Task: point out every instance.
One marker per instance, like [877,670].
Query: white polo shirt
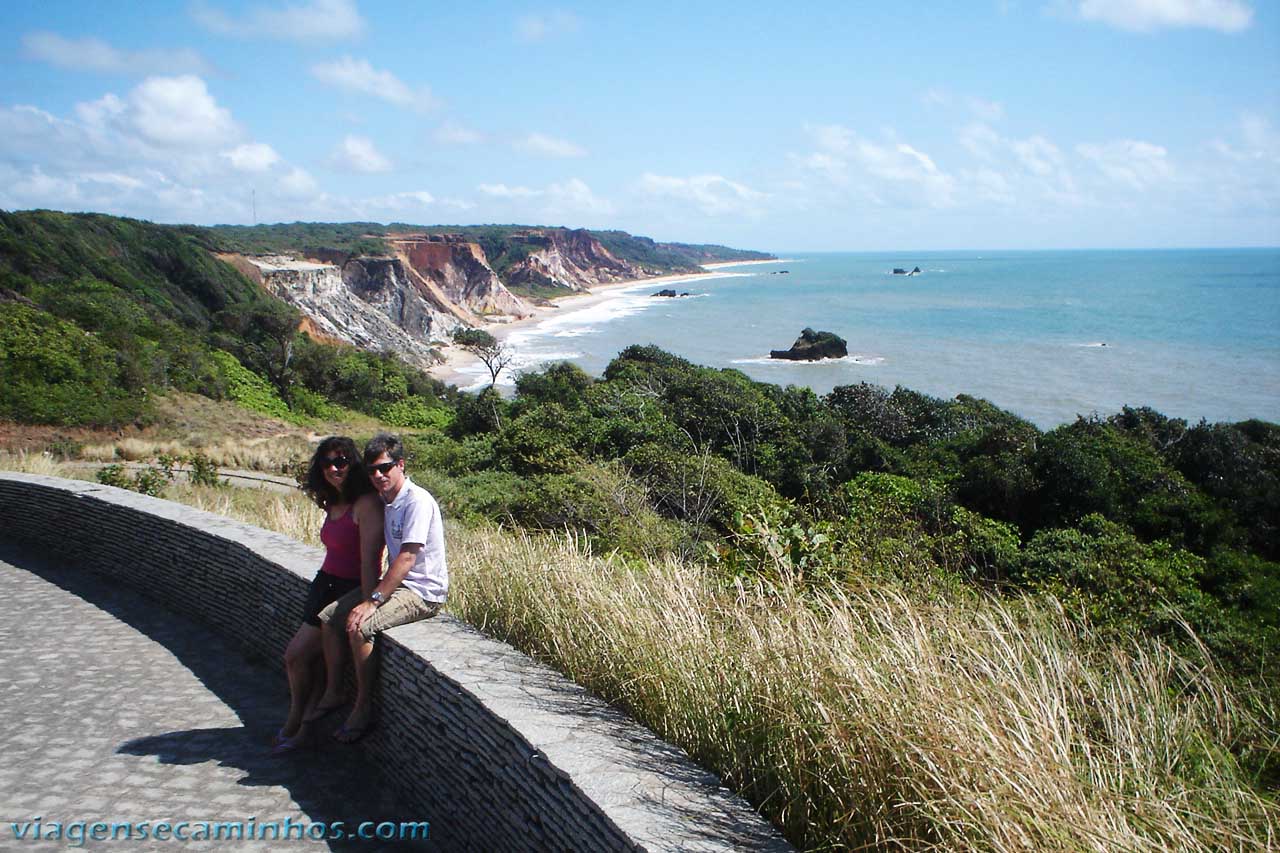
[414,517]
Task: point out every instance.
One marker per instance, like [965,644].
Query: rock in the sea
[813,346]
[669,293]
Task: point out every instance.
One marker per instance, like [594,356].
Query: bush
[472,498]
[249,389]
[540,441]
[53,372]
[701,489]
[415,413]
[603,502]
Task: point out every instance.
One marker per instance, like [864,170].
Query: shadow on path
[335,783]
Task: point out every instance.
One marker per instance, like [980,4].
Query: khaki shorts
[401,607]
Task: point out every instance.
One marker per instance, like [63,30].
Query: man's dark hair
[383,443]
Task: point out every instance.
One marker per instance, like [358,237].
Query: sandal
[351,734]
[303,741]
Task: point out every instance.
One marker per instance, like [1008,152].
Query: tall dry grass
[862,718]
[865,717]
[273,455]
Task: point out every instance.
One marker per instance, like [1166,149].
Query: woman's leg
[300,658]
[334,643]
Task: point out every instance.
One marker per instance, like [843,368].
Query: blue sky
[809,126]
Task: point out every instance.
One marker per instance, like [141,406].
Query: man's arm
[400,567]
[368,512]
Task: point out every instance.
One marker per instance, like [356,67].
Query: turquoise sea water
[1192,333]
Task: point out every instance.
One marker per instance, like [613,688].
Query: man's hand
[358,614]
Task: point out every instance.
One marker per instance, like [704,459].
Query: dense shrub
[55,373]
[604,502]
[248,388]
[701,489]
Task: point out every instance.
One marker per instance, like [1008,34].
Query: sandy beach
[459,365]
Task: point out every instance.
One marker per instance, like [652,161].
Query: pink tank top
[341,538]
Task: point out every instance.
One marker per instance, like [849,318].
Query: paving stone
[171,710]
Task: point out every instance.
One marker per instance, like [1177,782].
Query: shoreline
[451,370]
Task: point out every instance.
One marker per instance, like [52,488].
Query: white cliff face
[367,303]
[570,259]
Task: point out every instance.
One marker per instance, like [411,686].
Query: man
[413,588]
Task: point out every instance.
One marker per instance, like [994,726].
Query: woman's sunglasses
[338,462]
[383,468]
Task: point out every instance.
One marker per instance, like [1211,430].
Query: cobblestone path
[113,709]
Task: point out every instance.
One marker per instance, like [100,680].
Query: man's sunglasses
[382,468]
[338,462]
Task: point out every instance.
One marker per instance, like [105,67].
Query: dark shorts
[325,589]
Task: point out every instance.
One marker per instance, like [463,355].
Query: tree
[484,346]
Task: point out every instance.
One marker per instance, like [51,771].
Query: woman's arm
[368,514]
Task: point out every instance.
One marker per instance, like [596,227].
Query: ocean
[1047,335]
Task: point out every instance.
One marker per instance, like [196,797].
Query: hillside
[99,311]
[871,572]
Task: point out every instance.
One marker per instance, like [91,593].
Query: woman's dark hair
[356,484]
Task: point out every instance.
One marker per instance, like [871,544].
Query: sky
[816,126]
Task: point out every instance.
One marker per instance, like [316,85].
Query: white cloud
[570,198]
[451,133]
[306,21]
[1259,142]
[252,157]
[1038,155]
[180,111]
[547,146]
[359,154]
[164,151]
[714,195]
[981,108]
[888,173]
[357,75]
[298,183]
[93,54]
[504,191]
[1134,164]
[575,197]
[531,28]
[399,202]
[1228,16]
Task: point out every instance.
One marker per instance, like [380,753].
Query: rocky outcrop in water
[814,346]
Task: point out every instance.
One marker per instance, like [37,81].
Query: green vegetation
[99,314]
[503,245]
[355,238]
[1106,517]
[887,618]
[865,713]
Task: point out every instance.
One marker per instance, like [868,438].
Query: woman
[353,541]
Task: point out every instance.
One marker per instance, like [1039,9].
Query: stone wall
[496,751]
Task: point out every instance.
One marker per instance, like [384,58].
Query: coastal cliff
[428,287]
[456,271]
[369,303]
[573,260]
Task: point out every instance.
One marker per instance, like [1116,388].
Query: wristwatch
[376,598]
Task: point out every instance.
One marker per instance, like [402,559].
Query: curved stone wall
[495,750]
